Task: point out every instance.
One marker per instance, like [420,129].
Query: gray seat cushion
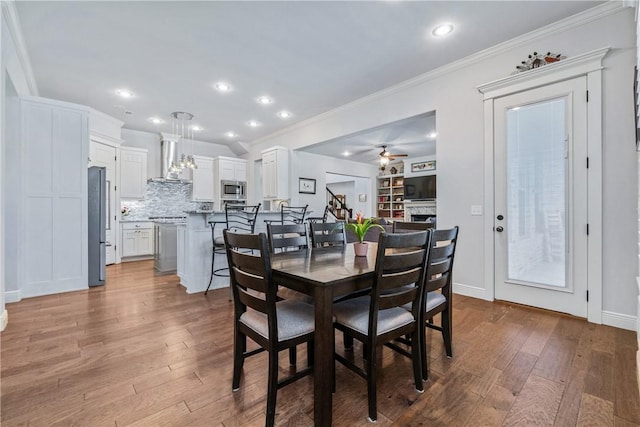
[434,299]
[218,241]
[295,318]
[354,313]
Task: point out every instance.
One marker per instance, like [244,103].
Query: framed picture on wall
[423,166]
[306,186]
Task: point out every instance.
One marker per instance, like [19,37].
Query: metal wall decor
[536,60]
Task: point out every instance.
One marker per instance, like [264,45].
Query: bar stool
[239,219]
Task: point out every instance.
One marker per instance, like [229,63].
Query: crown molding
[579,19]
[15,29]
[571,67]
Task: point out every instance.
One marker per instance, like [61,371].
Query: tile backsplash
[162,199]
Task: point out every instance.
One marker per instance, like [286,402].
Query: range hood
[168,155]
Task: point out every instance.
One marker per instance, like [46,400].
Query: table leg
[323,365]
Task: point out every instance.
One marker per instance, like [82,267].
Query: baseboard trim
[470,291]
[12,296]
[4,320]
[618,320]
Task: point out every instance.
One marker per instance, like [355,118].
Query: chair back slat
[400,269]
[442,252]
[328,234]
[440,266]
[287,237]
[248,263]
[409,227]
[252,301]
[437,282]
[249,277]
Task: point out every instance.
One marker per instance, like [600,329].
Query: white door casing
[541,197]
[590,65]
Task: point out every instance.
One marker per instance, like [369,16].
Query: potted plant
[360,228]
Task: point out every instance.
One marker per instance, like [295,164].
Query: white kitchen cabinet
[51,176]
[137,239]
[275,173]
[203,179]
[230,169]
[133,173]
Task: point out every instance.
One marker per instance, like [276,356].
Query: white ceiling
[310,56]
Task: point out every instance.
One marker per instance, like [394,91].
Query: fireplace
[423,218]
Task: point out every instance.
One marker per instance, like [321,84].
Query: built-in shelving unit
[390,197]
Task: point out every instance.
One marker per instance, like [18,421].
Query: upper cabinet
[230,169]
[275,173]
[203,179]
[133,173]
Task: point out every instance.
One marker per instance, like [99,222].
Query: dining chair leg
[416,359]
[310,353]
[239,348]
[293,356]
[446,331]
[371,382]
[422,342]
[272,388]
[348,341]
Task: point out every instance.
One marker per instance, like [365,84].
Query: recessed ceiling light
[230,134]
[156,120]
[284,114]
[264,100]
[442,30]
[196,128]
[432,135]
[223,87]
[346,154]
[123,93]
[253,123]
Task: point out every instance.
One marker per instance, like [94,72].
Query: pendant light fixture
[181,126]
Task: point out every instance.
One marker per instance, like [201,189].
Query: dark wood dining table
[324,273]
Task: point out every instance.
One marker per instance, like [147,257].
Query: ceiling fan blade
[393,156]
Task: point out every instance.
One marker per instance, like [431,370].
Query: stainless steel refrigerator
[97,225]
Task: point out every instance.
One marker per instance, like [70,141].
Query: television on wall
[420,188]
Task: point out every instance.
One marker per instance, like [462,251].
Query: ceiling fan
[386,157]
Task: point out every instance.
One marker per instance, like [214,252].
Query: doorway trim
[590,65]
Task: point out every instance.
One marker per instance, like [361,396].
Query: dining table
[324,273]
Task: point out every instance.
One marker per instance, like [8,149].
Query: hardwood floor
[140,351]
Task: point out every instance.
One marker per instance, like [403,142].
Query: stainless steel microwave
[233,189]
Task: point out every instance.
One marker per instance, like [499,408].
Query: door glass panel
[537,175]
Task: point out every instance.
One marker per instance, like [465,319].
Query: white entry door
[541,197]
[105,156]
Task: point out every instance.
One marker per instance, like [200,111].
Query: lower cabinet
[137,239]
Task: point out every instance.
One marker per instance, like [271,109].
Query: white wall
[308,165]
[151,141]
[13,67]
[452,93]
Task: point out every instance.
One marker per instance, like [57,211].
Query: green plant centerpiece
[360,228]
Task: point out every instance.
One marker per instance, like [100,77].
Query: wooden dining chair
[379,317]
[274,325]
[328,234]
[284,237]
[408,227]
[438,290]
[238,218]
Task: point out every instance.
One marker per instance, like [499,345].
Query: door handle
[499,229]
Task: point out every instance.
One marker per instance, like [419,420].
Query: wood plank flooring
[141,352]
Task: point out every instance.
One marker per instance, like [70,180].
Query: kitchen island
[195,247]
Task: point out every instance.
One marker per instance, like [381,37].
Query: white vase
[360,249]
